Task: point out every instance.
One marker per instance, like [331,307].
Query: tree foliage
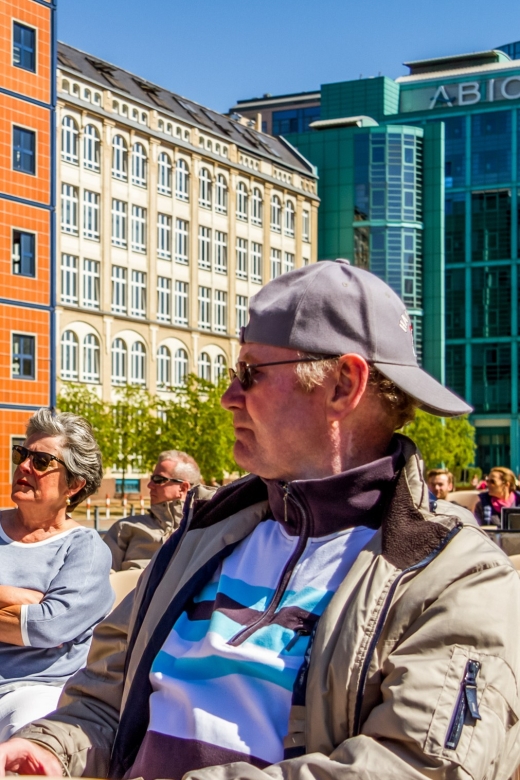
[443,442]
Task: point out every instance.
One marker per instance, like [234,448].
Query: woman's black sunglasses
[245,372]
[40,460]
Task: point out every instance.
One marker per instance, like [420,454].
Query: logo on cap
[404,322]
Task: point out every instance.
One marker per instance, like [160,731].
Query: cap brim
[431,395]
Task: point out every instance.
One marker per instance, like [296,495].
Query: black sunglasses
[40,460]
[158,480]
[245,372]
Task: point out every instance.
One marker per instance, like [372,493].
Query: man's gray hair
[79,450]
[186,467]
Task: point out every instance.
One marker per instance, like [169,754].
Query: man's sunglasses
[245,372]
[40,460]
[158,480]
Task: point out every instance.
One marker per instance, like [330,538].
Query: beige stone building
[172,216]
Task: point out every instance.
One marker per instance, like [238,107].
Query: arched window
[69,140]
[289,219]
[119,158]
[139,162]
[164,367]
[65,85]
[138,364]
[90,359]
[256,207]
[119,362]
[222,195]
[180,367]
[86,94]
[205,188]
[91,148]
[219,368]
[204,366]
[276,213]
[241,201]
[182,180]
[69,356]
[164,179]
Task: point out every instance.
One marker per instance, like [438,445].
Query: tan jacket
[428,593]
[134,540]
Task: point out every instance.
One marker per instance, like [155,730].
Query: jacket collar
[167,513]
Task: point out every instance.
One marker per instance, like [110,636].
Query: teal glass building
[419,181]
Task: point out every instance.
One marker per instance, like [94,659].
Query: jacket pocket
[466,709]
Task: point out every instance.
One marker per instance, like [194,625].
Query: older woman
[54,584]
[501,492]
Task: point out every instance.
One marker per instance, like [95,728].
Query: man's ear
[351,380]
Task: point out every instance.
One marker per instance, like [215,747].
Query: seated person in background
[54,584]
[501,492]
[134,540]
[440,482]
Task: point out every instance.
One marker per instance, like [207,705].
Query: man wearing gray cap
[316,619]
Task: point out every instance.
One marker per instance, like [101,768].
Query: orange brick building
[27,218]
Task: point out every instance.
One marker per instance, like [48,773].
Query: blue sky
[218,51]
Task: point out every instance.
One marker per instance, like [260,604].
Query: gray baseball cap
[334,308]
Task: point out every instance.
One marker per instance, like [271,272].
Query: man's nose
[234,396]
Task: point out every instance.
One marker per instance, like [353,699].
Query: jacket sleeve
[404,734]
[116,545]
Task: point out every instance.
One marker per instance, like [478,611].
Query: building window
[241,313]
[164,361]
[138,364]
[221,195]
[204,366]
[241,201]
[276,263]
[205,188]
[164,179]
[180,367]
[138,294]
[491,152]
[69,356]
[491,378]
[276,213]
[69,209]
[220,264]
[139,162]
[204,248]
[182,180]
[241,258]
[181,303]
[491,301]
[119,362]
[163,299]
[23,253]
[306,225]
[219,368]
[455,230]
[24,150]
[288,262]
[90,371]
[256,207]
[289,219]
[69,140]
[491,225]
[256,262]
[23,362]
[220,312]
[294,120]
[91,215]
[91,148]
[90,284]
[118,289]
[164,236]
[138,229]
[24,47]
[181,241]
[69,280]
[118,223]
[204,308]
[119,158]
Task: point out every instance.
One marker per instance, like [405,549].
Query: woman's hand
[9,596]
[28,758]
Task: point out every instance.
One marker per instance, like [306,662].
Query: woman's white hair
[79,449]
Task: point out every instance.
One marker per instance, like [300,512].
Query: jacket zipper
[467,705]
[281,587]
[381,622]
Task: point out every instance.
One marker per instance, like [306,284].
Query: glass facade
[295,120]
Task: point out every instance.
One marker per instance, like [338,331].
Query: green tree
[443,442]
[83,401]
[134,429]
